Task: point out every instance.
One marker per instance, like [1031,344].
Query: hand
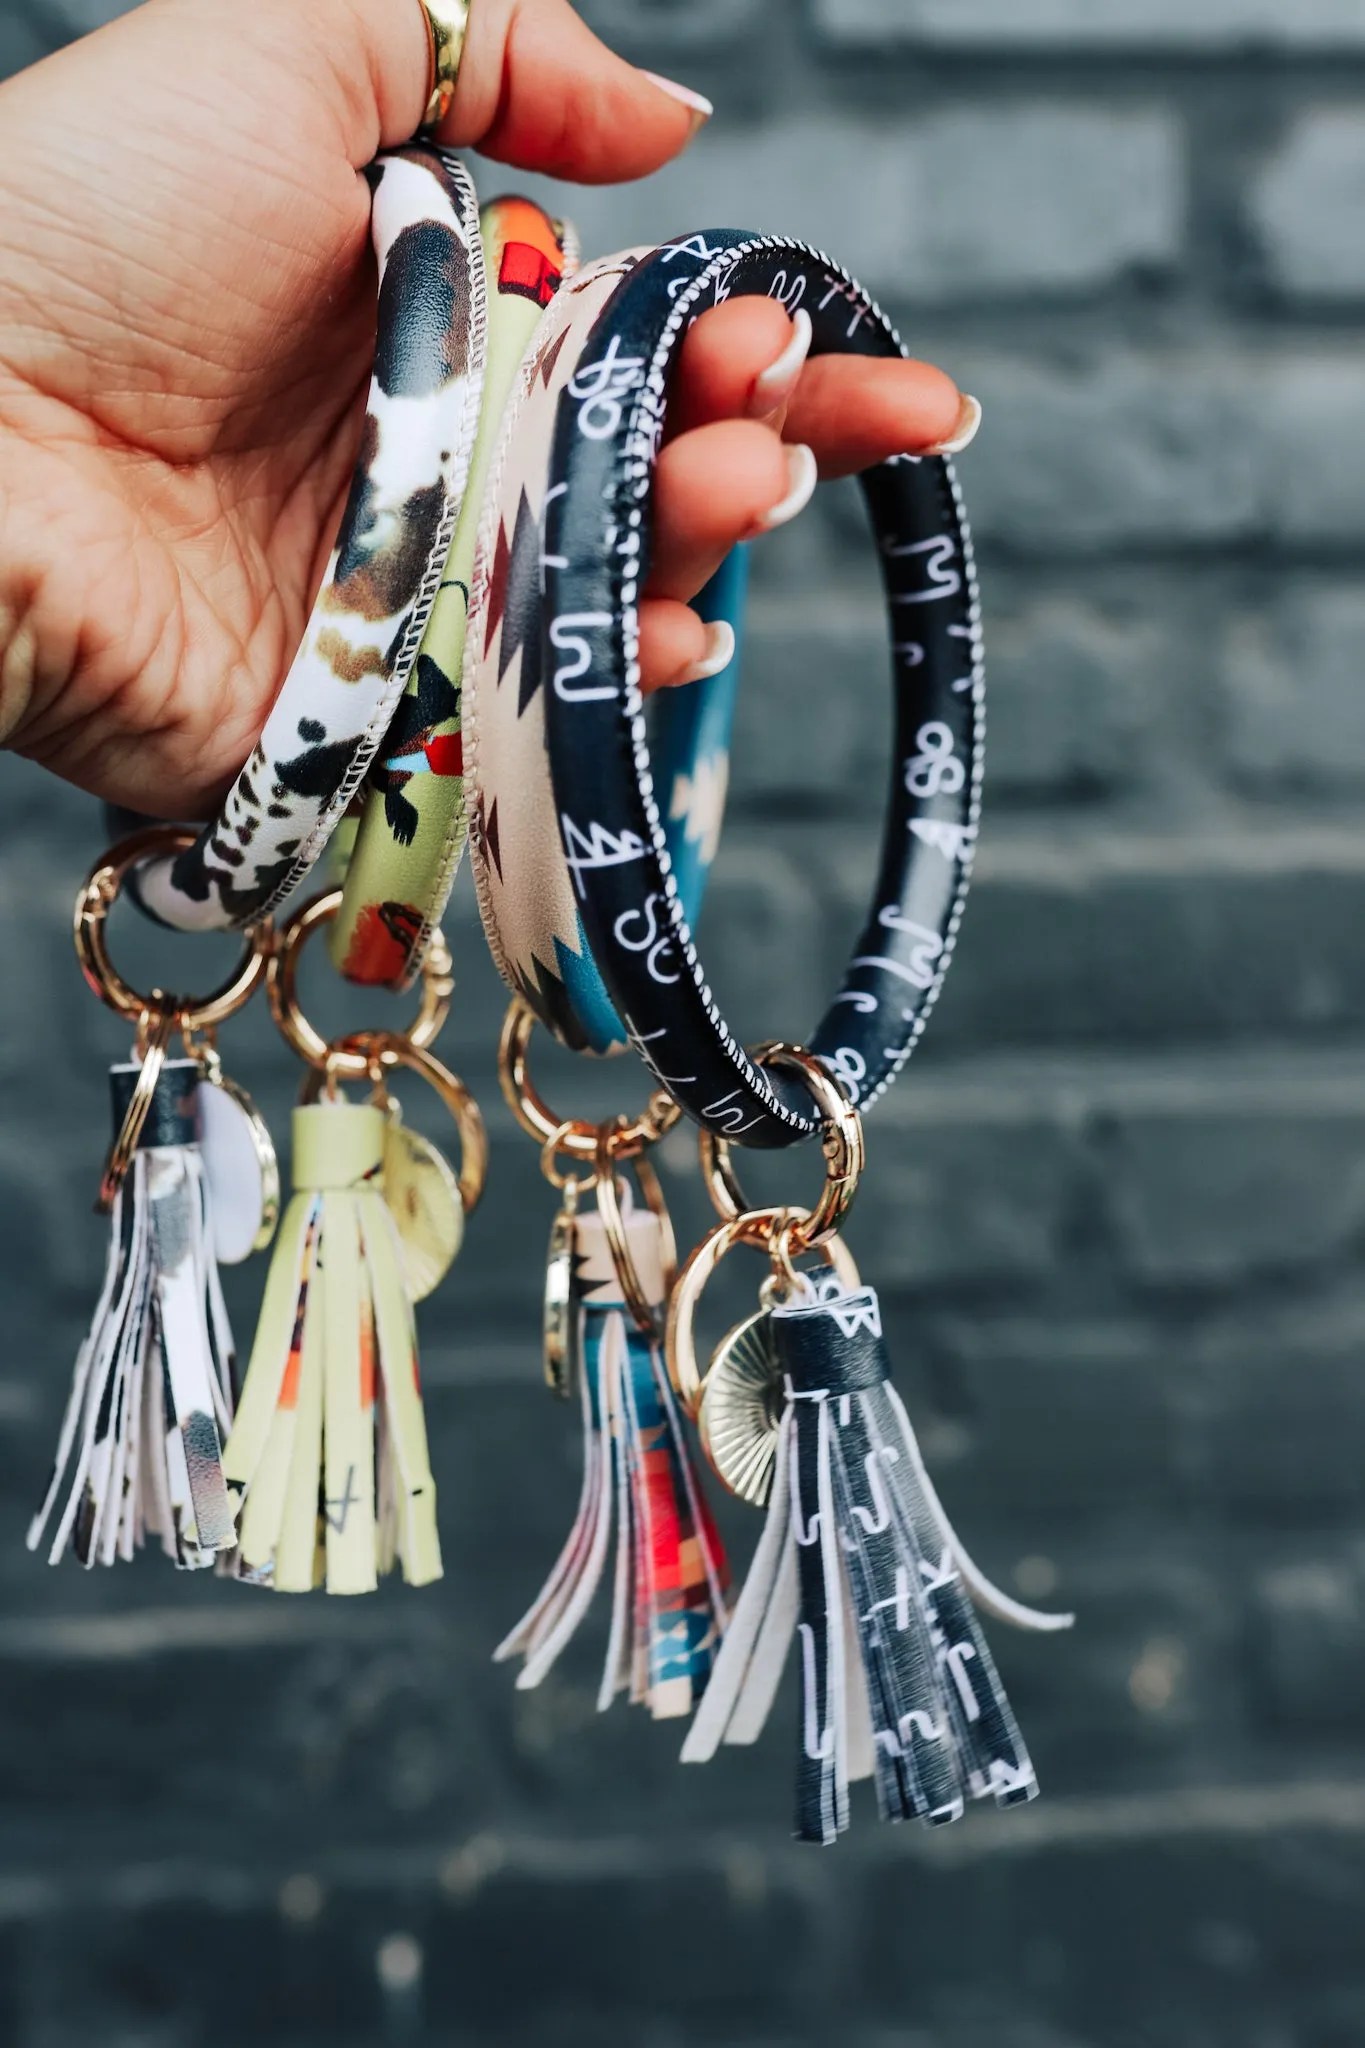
[186,326]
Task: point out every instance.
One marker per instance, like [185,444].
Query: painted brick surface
[915,204]
[1224,27]
[1313,182]
[1116,1207]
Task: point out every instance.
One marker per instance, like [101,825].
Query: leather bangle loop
[447,25]
[525,888]
[366,626]
[606,440]
[412,830]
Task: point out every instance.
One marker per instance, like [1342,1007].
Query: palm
[181,378]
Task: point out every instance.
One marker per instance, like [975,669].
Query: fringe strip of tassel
[151,1396]
[669,1577]
[328,1462]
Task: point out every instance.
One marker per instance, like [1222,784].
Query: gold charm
[423,1197]
[561,1321]
[741,1409]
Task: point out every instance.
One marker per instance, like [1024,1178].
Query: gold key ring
[646,1315]
[570,1185]
[374,1054]
[155,1032]
[100,892]
[572,1135]
[336,1055]
[771,1230]
[842,1144]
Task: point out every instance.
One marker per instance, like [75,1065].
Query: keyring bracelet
[365,629]
[608,432]
[412,829]
[525,886]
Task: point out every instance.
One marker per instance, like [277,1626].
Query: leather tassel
[859,1563]
[151,1397]
[327,1463]
[668,1575]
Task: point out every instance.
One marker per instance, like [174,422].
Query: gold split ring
[375,1054]
[155,1031]
[772,1230]
[646,1314]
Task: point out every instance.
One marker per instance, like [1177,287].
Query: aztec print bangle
[412,830]
[525,889]
[598,507]
[368,622]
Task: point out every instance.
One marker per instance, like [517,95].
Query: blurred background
[1116,1206]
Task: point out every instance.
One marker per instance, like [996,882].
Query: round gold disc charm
[741,1409]
[423,1197]
[560,1326]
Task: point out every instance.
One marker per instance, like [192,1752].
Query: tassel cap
[172,1118]
[337,1144]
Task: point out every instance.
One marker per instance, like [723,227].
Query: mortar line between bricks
[152,1632]
[460,1869]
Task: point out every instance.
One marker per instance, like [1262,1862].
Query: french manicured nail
[696,103]
[803,474]
[774,386]
[720,652]
[964,431]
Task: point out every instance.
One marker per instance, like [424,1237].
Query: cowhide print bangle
[597,537]
[368,622]
[412,831]
[525,889]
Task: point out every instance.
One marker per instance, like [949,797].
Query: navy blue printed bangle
[596,552]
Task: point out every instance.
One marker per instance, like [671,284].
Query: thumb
[538,89]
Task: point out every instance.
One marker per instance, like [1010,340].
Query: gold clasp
[783,1233]
[339,1057]
[97,897]
[842,1144]
[572,1136]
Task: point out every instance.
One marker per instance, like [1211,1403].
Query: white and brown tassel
[140,1451]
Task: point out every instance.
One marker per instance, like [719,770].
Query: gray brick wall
[1117,1206]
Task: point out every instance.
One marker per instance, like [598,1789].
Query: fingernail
[964,431]
[774,386]
[696,103]
[720,652]
[803,474]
